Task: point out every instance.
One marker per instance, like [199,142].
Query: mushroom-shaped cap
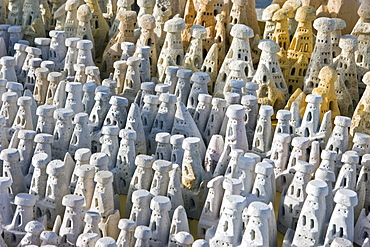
[342,121]
[55,77]
[264,168]
[92,70]
[215,182]
[365,161]
[83,154]
[160,203]
[184,73]
[4,27]
[350,157]
[14,29]
[325,175]
[33,50]
[269,11]
[174,25]
[120,64]
[200,77]
[304,167]
[33,62]
[147,21]
[305,13]
[218,103]
[266,111]
[5,182]
[143,49]
[57,34]
[348,43]
[200,243]
[339,23]
[85,44]
[235,112]
[42,72]
[79,67]
[74,87]
[191,143]
[236,153]
[324,24]
[143,232]
[25,200]
[251,86]
[106,242]
[14,86]
[63,114]
[72,42]
[163,137]
[236,83]
[44,138]
[48,64]
[111,130]
[234,185]
[259,210]
[49,236]
[144,161]
[317,188]
[127,225]
[237,65]
[184,238]
[73,201]
[206,98]
[314,99]
[103,177]
[26,134]
[10,97]
[254,156]
[141,196]
[92,217]
[127,134]
[34,227]
[40,160]
[55,168]
[177,139]
[171,70]
[24,101]
[128,47]
[118,101]
[20,47]
[127,16]
[10,155]
[100,96]
[147,86]
[235,202]
[102,89]
[301,142]
[328,155]
[151,99]
[8,61]
[268,45]
[283,13]
[162,166]
[89,87]
[282,137]
[346,197]
[241,31]
[248,100]
[246,163]
[162,88]
[167,98]
[361,139]
[99,159]
[284,115]
[198,32]
[85,171]
[232,98]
